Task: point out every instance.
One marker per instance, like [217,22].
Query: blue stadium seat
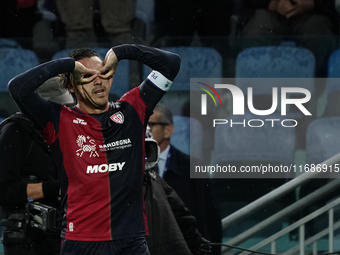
[13,61]
[121,83]
[275,62]
[333,86]
[247,143]
[184,128]
[241,145]
[322,139]
[322,143]
[334,69]
[276,66]
[9,43]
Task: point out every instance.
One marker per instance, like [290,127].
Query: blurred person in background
[172,227]
[201,18]
[17,20]
[27,173]
[310,23]
[117,19]
[198,195]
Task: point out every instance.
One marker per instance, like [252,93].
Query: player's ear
[70,83]
[168,130]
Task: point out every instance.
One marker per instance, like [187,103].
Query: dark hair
[83,53]
[66,79]
[166,114]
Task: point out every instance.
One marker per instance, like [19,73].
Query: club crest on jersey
[118,117]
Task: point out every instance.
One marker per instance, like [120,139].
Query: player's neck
[91,110]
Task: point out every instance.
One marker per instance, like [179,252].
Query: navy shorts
[129,246]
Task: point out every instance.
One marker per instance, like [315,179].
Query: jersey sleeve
[23,89]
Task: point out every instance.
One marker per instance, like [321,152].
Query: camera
[41,216]
[151,150]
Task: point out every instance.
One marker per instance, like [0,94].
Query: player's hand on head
[82,74]
[110,65]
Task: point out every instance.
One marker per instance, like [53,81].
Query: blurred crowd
[47,26]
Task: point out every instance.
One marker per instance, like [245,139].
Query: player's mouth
[99,92]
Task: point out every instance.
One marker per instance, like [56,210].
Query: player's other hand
[110,65]
[83,75]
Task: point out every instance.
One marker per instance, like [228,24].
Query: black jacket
[197,194]
[172,228]
[23,154]
[25,158]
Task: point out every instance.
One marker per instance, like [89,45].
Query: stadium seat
[284,62]
[186,127]
[275,62]
[9,43]
[251,147]
[278,66]
[121,78]
[13,61]
[333,86]
[241,142]
[322,139]
[322,143]
[242,145]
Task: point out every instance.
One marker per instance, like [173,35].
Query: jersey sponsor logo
[118,117]
[119,144]
[86,145]
[79,121]
[103,168]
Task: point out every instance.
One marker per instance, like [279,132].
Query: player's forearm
[165,62]
[22,88]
